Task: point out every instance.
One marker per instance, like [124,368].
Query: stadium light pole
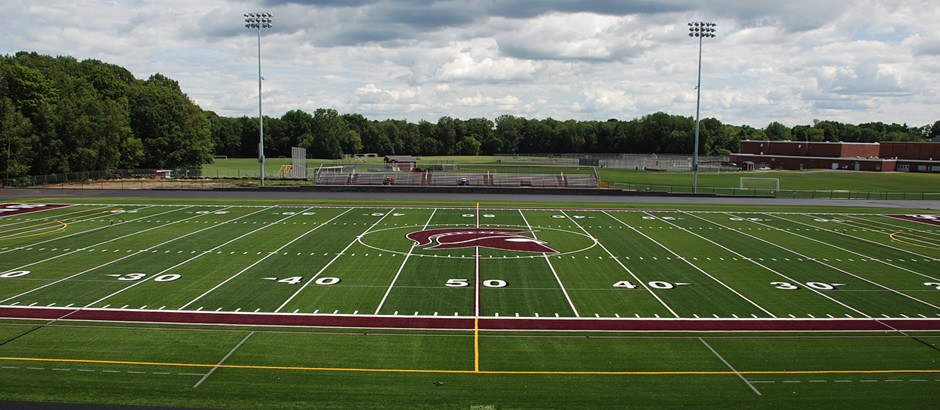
[700,30]
[259,21]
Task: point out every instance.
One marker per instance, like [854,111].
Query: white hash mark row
[56,369]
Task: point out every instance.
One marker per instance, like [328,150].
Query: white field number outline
[130,277]
[813,285]
[655,284]
[296,280]
[14,274]
[462,283]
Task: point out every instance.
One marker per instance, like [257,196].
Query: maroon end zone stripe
[11,209]
[919,218]
[690,325]
[33,313]
[464,323]
[274,319]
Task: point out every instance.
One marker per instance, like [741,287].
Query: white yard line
[625,268]
[857,225]
[276,251]
[476,281]
[699,269]
[552,268]
[767,268]
[740,376]
[47,218]
[80,233]
[110,262]
[214,368]
[816,260]
[335,258]
[894,227]
[876,244]
[198,255]
[402,267]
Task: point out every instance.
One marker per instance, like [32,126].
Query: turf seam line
[744,379]
[224,358]
[38,327]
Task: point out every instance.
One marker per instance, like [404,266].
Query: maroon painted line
[467,323]
[691,325]
[34,313]
[12,209]
[924,219]
[912,324]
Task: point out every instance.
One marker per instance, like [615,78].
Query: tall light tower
[701,30]
[259,21]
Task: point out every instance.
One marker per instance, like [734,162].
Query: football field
[756,302]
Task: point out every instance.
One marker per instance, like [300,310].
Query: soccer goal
[755,183]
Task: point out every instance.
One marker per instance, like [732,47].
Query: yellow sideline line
[476,317]
[491,372]
[476,344]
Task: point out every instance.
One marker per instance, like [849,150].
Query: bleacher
[456,179]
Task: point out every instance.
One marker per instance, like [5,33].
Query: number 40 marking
[655,284]
[295,280]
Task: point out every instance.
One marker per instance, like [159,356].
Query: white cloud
[869,60]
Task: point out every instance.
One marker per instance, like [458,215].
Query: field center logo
[495,238]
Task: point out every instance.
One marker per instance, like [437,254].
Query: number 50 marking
[462,283]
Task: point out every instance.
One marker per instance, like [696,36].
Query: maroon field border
[467,323]
[918,218]
[6,211]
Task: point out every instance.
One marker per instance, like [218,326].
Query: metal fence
[194,179]
[140,179]
[782,193]
[659,162]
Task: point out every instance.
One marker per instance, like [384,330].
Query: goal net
[772,184]
[298,167]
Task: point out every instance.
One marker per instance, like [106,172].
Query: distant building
[400,162]
[854,156]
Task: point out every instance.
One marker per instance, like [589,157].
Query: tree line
[58,114]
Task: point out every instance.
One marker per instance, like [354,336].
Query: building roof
[400,158]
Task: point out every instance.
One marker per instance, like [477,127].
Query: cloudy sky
[788,61]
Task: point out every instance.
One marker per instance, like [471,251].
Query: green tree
[226,135]
[174,131]
[327,134]
[776,131]
[509,132]
[934,130]
[17,141]
[469,146]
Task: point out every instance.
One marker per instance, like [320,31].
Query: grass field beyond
[572,268]
[821,180]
